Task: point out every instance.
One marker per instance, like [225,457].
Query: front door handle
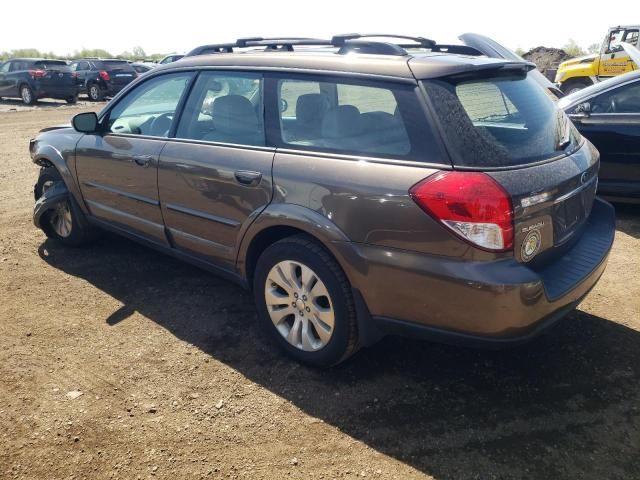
[143,160]
[248,177]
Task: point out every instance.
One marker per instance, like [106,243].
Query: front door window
[149,109]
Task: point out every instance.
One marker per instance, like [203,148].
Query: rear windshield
[109,64]
[52,65]
[500,121]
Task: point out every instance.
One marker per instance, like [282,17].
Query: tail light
[104,75]
[471,204]
[37,73]
[75,74]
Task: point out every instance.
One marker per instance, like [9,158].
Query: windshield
[500,120]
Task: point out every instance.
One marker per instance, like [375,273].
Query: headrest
[234,114]
[341,122]
[311,108]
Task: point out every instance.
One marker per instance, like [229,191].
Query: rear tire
[95,92]
[304,302]
[66,222]
[573,86]
[26,94]
[72,100]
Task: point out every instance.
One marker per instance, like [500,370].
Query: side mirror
[85,122]
[584,108]
[581,112]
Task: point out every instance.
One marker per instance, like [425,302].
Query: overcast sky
[63,26]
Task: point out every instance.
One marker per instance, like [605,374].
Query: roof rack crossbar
[377,48]
[260,41]
[339,40]
[446,48]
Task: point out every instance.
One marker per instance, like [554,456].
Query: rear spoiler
[493,49]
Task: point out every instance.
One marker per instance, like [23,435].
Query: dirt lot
[176,383]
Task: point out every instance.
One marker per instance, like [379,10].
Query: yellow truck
[612,60]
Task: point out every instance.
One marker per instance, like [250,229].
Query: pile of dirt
[547,59]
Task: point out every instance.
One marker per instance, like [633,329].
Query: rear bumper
[496,302]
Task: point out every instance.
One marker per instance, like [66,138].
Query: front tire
[72,100]
[573,86]
[27,96]
[65,222]
[95,92]
[305,303]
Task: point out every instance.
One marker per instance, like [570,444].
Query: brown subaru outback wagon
[358,186]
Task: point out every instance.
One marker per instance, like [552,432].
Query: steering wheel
[613,105]
[161,124]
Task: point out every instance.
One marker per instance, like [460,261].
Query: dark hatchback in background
[100,78]
[608,114]
[358,186]
[33,78]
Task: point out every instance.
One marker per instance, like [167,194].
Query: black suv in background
[100,78]
[34,78]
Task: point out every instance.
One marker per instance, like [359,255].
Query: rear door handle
[143,160]
[248,177]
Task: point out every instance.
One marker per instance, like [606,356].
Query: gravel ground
[119,362]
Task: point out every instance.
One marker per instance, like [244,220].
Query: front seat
[235,121]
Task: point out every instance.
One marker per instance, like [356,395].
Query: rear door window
[344,117]
[225,107]
[505,120]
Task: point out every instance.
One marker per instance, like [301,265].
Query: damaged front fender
[51,197]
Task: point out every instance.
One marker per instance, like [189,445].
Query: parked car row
[33,78]
[416,188]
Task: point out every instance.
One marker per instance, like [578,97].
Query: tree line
[137,53]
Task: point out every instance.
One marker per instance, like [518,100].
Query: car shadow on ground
[564,406]
[628,218]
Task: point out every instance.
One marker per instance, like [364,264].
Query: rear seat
[377,132]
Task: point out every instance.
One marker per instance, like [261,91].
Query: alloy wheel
[61,220]
[299,305]
[26,95]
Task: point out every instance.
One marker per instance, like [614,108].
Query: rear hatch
[54,75]
[501,122]
[119,72]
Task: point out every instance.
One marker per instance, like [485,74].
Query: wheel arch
[47,156]
[279,221]
[24,83]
